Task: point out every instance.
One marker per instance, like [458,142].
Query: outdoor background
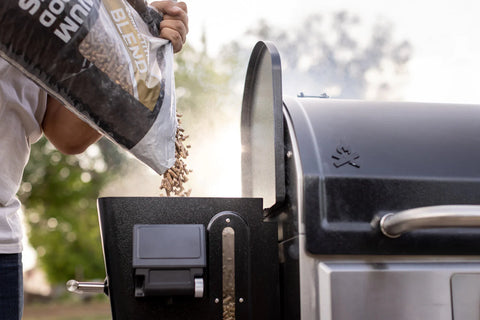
[378,50]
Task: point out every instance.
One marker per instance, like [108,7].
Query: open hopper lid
[263,167]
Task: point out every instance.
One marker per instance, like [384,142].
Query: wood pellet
[108,55]
[228,308]
[176,176]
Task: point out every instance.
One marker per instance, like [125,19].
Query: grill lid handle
[393,225]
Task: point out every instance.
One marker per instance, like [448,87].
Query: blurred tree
[206,96]
[59,194]
[337,53]
[203,82]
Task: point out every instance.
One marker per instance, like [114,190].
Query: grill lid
[362,160]
[263,168]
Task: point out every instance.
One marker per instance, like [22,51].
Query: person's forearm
[65,130]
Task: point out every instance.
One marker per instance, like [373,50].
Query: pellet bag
[102,60]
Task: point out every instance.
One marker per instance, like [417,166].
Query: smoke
[214,157]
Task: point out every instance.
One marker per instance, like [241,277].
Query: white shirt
[22,107]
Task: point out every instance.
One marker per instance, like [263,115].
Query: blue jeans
[11,286]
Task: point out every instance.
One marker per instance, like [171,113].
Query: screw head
[217,300]
[241,300]
[227,220]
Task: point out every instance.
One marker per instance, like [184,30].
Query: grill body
[402,156]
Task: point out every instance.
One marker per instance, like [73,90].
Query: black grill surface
[361,160]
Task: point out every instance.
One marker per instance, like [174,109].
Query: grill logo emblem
[345,156]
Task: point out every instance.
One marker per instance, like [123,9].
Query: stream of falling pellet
[176,176]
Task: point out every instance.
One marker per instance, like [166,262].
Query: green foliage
[203,83]
[59,193]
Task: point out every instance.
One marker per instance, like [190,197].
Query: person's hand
[174,26]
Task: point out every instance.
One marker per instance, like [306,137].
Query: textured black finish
[361,160]
[289,246]
[119,215]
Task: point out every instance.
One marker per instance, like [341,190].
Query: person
[26,111]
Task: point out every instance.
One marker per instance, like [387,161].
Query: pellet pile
[228,308]
[228,278]
[176,176]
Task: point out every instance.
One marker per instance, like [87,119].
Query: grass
[77,310]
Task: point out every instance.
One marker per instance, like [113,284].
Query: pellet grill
[350,210]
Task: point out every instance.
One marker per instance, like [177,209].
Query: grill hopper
[328,172]
[256,263]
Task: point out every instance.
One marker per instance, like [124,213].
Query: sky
[445,66]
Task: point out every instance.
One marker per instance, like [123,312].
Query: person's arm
[174,26]
[65,130]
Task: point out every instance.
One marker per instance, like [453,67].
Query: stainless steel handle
[199,288]
[393,225]
[86,287]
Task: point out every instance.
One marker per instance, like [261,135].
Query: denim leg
[11,286]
